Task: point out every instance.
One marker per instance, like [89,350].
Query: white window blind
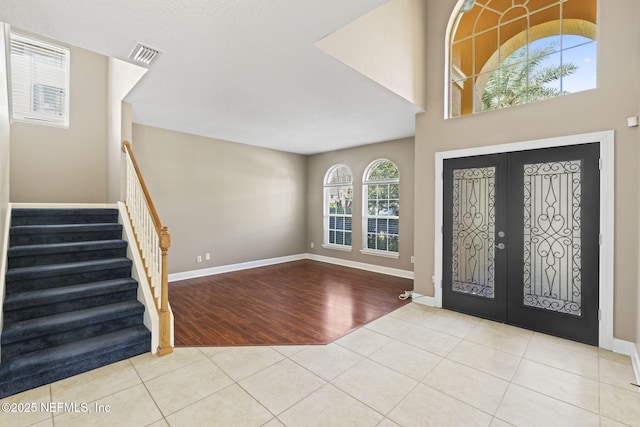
[39,81]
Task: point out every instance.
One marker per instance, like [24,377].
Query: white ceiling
[238,70]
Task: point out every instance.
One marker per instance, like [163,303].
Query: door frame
[606,277]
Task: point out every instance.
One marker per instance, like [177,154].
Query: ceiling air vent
[144,55]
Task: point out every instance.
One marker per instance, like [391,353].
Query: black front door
[521,239]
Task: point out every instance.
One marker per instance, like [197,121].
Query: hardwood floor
[299,302]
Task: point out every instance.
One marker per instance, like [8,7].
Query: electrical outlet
[207,256]
[413,260]
[312,245]
[199,258]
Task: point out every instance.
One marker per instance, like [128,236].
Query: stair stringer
[151,319]
[3,267]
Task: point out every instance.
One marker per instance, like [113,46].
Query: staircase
[70,304]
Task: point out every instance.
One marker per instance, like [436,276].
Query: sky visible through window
[578,50]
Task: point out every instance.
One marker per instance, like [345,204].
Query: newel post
[165,319]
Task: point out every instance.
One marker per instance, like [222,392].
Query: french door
[521,239]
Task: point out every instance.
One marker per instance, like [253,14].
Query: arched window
[381,194]
[508,52]
[338,201]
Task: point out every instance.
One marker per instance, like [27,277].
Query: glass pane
[332,237]
[339,238]
[339,175]
[371,241]
[545,75]
[394,208]
[384,169]
[347,223]
[394,191]
[552,244]
[332,222]
[382,225]
[340,199]
[393,243]
[383,208]
[383,191]
[585,75]
[462,57]
[381,242]
[372,208]
[340,223]
[549,18]
[393,226]
[473,261]
[512,29]
[371,225]
[347,238]
[372,191]
[486,48]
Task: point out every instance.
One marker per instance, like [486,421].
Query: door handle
[500,246]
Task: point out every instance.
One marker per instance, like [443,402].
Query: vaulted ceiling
[244,71]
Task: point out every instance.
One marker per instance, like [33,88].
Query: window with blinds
[39,81]
[381,209]
[338,202]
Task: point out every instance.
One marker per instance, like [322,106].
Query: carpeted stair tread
[41,326]
[55,248]
[62,233]
[24,300]
[43,254]
[55,357]
[63,216]
[52,270]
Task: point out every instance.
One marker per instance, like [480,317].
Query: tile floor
[415,366]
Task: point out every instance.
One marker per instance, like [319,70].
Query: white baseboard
[233,267]
[630,349]
[362,266]
[271,261]
[423,299]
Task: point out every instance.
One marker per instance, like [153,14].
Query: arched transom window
[381,217]
[338,201]
[509,52]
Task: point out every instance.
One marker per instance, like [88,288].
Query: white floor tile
[96,384]
[562,385]
[364,341]
[326,361]
[376,385]
[428,407]
[473,387]
[486,359]
[406,359]
[282,385]
[330,406]
[132,407]
[231,406]
[185,386]
[240,362]
[522,406]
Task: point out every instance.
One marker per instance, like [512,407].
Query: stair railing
[153,241]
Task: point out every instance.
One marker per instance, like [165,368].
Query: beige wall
[4,135]
[123,76]
[387,45]
[604,108]
[239,203]
[50,164]
[400,152]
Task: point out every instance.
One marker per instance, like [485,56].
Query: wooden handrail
[163,243]
[126,147]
